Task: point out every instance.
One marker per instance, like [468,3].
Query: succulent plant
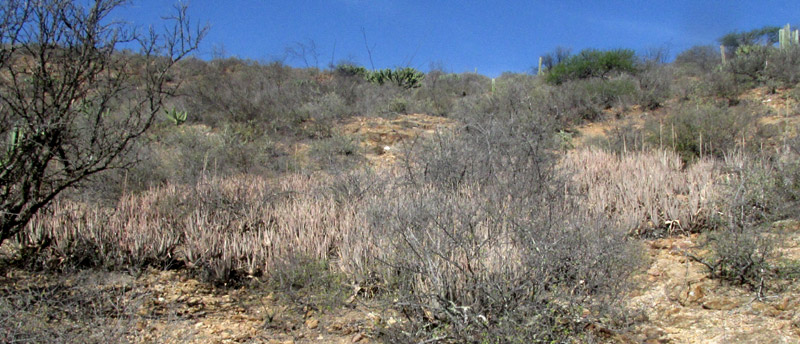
[788,37]
[14,141]
[404,77]
[177,117]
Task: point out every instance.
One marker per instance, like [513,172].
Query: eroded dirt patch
[382,138]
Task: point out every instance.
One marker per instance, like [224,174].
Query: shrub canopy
[593,63]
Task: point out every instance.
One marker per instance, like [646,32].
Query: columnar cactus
[788,37]
[14,141]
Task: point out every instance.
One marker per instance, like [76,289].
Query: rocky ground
[682,305]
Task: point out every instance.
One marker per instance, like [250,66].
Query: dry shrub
[482,243]
[782,66]
[475,264]
[644,193]
[696,130]
[755,192]
[698,60]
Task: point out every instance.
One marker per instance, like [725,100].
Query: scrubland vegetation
[500,228]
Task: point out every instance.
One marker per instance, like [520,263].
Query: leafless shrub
[740,247]
[698,60]
[655,85]
[624,137]
[756,191]
[73,103]
[242,91]
[327,107]
[569,103]
[723,84]
[339,152]
[483,243]
[441,90]
[741,255]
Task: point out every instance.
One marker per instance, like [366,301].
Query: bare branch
[72,103]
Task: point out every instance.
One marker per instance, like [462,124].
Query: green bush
[749,64]
[593,63]
[764,36]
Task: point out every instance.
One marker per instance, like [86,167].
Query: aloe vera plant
[177,117]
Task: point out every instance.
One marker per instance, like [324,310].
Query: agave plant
[404,77]
[407,77]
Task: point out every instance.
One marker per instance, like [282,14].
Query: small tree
[767,35]
[71,104]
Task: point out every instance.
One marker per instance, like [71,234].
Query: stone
[695,294]
[312,323]
[765,309]
[721,303]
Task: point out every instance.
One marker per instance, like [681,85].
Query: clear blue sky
[460,36]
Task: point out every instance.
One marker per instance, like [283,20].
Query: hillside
[655,203]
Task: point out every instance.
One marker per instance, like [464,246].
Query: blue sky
[459,36]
